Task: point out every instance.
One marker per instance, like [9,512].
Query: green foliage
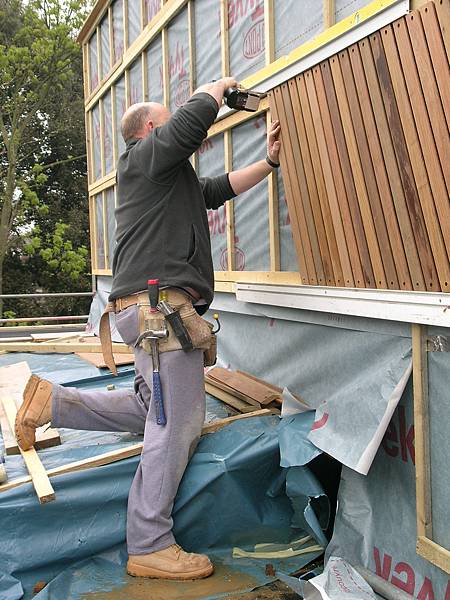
[60,255]
[44,239]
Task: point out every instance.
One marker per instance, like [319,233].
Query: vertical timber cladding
[365,158]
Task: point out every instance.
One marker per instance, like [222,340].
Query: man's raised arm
[244,179]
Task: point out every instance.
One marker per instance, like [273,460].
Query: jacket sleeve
[172,143]
[216,190]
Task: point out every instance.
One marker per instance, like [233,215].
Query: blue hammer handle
[158,397]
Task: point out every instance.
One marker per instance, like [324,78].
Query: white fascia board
[429,308]
[351,36]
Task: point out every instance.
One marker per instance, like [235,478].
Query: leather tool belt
[199,329]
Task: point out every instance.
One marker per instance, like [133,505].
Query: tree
[42,152]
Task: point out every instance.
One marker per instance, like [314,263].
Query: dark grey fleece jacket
[162,227]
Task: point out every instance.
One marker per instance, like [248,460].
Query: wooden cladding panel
[397,271]
[365,158]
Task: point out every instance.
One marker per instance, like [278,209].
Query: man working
[162,232]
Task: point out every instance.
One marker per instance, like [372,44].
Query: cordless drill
[240,99]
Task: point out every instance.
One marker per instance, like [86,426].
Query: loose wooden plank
[49,337]
[235,393]
[430,91]
[332,173]
[9,441]
[393,172]
[230,399]
[128,452]
[331,264]
[17,340]
[98,361]
[306,196]
[298,184]
[392,251]
[278,113]
[358,175]
[436,48]
[401,151]
[369,175]
[362,267]
[39,477]
[63,348]
[275,388]
[216,425]
[13,379]
[443,13]
[418,161]
[254,389]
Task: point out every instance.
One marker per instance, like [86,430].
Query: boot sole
[28,395]
[150,573]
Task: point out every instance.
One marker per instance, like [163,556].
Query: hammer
[154,336]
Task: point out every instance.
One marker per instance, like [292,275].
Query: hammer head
[149,334]
[160,334]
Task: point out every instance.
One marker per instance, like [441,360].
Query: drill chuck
[240,99]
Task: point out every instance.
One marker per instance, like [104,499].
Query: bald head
[141,118]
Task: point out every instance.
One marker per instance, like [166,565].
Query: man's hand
[273,142]
[228,82]
[216,89]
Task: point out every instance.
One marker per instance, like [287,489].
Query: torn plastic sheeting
[354,377]
[376,517]
[235,467]
[351,429]
[310,504]
[296,449]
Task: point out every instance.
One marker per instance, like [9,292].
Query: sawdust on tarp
[225,579]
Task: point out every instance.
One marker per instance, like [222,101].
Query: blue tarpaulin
[234,493]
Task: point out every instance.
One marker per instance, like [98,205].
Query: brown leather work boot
[171,563]
[36,410]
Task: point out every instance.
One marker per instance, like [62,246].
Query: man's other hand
[273,142]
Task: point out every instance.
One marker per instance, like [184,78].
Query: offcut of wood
[63,347]
[13,379]
[229,399]
[275,388]
[98,361]
[222,386]
[250,387]
[38,474]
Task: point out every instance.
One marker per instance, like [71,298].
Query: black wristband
[272,164]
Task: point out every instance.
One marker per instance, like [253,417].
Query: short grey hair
[133,121]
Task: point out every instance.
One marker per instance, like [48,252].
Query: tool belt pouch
[210,356]
[198,328]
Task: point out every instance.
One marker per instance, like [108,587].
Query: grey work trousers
[166,449]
